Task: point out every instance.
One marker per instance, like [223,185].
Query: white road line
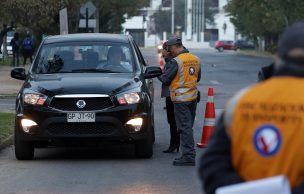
[215,82]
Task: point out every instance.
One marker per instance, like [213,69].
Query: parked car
[85,89]
[243,44]
[9,47]
[9,37]
[222,45]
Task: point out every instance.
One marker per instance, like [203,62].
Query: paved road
[112,169]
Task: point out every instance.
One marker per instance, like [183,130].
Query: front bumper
[109,125]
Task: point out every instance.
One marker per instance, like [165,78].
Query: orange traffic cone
[209,122]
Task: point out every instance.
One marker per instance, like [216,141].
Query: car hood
[82,83]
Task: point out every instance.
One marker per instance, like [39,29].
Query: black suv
[85,89]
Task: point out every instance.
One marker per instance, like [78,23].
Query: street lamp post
[172,17]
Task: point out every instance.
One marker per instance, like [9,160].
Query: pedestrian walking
[261,132]
[27,48]
[15,47]
[182,75]
[165,93]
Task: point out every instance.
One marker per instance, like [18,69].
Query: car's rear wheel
[23,150]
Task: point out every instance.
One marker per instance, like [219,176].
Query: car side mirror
[18,73]
[152,72]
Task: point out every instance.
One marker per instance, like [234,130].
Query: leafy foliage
[111,13]
[264,18]
[42,16]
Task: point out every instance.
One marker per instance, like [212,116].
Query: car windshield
[102,57]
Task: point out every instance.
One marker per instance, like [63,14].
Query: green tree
[264,18]
[112,12]
[41,16]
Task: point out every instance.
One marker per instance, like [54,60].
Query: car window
[84,56]
[140,57]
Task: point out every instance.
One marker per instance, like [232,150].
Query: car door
[148,82]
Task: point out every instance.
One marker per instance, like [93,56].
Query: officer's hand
[165,53]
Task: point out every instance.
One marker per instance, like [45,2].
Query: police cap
[291,44]
[174,40]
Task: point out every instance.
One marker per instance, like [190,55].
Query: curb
[253,54]
[7,142]
[8,96]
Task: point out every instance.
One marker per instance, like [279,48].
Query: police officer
[182,75]
[261,132]
[165,92]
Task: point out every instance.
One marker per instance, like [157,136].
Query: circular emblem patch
[267,140]
[191,70]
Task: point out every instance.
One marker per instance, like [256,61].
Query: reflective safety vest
[266,127]
[183,86]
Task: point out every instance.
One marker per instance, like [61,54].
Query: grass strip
[6,128]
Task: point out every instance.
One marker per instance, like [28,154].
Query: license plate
[75,117]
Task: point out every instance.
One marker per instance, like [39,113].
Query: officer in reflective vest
[261,132]
[182,75]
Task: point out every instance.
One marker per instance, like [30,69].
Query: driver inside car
[115,60]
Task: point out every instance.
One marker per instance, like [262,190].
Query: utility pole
[203,21]
[172,17]
[87,20]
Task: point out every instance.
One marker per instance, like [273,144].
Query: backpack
[27,44]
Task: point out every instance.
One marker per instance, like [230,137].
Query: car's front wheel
[23,150]
[144,147]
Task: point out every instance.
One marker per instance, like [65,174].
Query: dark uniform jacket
[165,92]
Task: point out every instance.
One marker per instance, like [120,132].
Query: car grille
[81,128]
[70,104]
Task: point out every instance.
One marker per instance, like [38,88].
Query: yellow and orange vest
[266,127]
[183,86]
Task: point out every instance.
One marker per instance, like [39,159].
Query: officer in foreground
[261,132]
[182,74]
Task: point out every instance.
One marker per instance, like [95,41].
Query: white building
[222,29]
[137,26]
[195,35]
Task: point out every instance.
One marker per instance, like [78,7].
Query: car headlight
[34,99]
[129,98]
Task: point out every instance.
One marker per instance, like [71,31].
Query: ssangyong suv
[85,88]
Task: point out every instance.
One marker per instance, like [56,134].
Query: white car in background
[9,37]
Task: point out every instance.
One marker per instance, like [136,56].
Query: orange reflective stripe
[183,86]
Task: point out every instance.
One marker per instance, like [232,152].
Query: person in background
[15,47]
[27,48]
[261,132]
[165,93]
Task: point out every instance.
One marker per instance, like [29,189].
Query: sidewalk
[8,86]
